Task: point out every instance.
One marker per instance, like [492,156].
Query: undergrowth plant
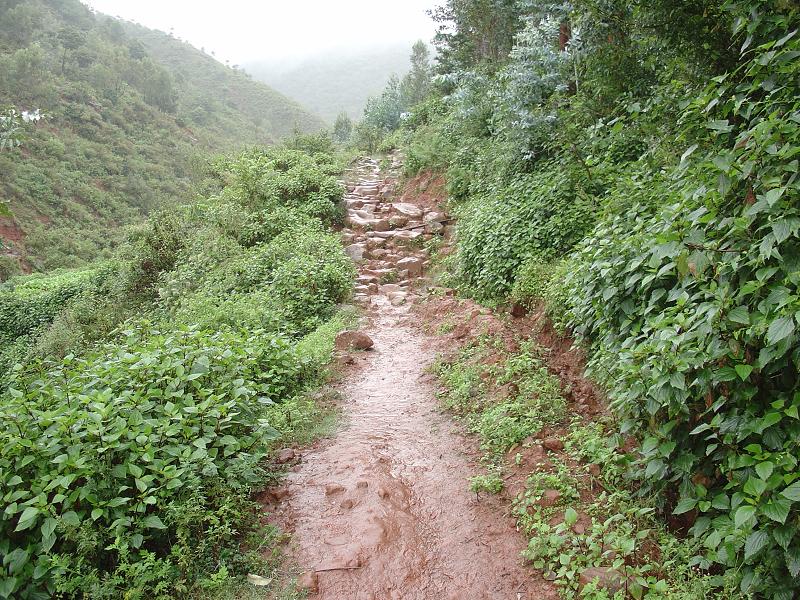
[142,398]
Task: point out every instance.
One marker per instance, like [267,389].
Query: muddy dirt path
[383,509]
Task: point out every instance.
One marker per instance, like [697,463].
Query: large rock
[434,217]
[412,265]
[409,210]
[353,340]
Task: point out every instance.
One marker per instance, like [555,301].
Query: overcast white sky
[243,31]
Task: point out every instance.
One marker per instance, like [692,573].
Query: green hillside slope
[126,111]
[219,98]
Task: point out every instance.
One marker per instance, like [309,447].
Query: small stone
[434,217]
[383,492]
[553,444]
[363,484]
[606,577]
[550,498]
[333,488]
[434,227]
[398,221]
[381,225]
[308,582]
[355,252]
[356,340]
[284,456]
[258,580]
[279,493]
[347,504]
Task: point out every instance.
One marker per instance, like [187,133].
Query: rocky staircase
[386,238]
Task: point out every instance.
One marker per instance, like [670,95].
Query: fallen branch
[336,569]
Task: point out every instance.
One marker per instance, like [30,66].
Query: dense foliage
[634,165]
[141,396]
[127,110]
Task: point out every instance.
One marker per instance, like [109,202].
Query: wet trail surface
[383,510]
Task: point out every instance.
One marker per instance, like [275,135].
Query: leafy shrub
[116,463]
[692,312]
[541,214]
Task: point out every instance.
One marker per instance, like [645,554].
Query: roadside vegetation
[631,169]
[142,397]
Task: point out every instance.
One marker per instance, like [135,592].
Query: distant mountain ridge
[127,111]
[330,83]
[196,73]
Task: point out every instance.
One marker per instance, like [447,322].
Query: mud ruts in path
[383,510]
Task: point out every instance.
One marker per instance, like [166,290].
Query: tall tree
[417,82]
[342,128]
[474,32]
[70,39]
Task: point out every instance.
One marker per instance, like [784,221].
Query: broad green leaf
[780,329]
[743,371]
[153,522]
[765,469]
[743,514]
[793,560]
[684,506]
[777,509]
[756,542]
[772,196]
[570,517]
[740,314]
[792,492]
[71,518]
[28,518]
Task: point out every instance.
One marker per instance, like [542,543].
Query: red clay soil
[10,231]
[383,510]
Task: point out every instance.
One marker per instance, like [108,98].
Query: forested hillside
[632,169]
[127,113]
[337,81]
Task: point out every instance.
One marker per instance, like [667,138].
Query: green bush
[671,164]
[27,303]
[122,469]
[541,214]
[692,314]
